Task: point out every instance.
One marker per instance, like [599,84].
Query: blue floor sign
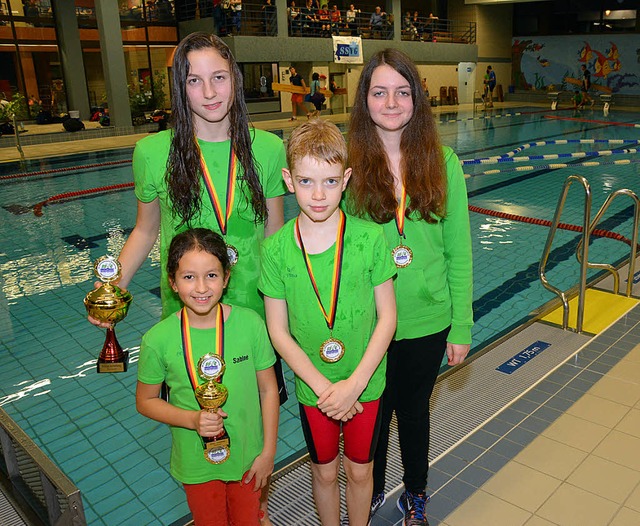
[512,364]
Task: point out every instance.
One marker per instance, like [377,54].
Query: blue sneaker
[377,502]
[412,506]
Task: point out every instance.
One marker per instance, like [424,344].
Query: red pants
[218,503]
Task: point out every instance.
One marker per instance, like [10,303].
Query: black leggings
[412,369]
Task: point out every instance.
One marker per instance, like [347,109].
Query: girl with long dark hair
[209,170]
[405,180]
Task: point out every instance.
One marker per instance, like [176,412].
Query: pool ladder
[582,250]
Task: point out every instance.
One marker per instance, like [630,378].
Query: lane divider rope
[555,166]
[565,141]
[37,208]
[547,157]
[608,123]
[61,170]
[545,222]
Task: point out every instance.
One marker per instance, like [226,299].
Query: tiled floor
[584,469]
[566,453]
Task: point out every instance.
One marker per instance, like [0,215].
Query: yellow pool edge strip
[601,309]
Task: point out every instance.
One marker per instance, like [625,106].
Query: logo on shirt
[240,359]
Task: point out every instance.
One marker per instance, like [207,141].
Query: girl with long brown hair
[209,170]
[405,180]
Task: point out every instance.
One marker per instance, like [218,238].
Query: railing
[309,24]
[582,250]
[251,19]
[36,481]
[634,240]
[585,251]
[429,29]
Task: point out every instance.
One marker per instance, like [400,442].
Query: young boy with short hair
[331,313]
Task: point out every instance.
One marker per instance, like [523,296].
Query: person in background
[297,99]
[236,17]
[315,95]
[377,21]
[578,100]
[295,19]
[336,19]
[404,180]
[352,20]
[324,20]
[586,85]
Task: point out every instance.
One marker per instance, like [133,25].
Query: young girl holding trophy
[226,354]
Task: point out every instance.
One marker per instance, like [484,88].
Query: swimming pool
[87,422]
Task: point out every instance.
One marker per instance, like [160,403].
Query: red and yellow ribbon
[400,211]
[330,318]
[187,348]
[232,175]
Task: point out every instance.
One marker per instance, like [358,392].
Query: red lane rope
[608,123]
[37,208]
[545,222]
[61,170]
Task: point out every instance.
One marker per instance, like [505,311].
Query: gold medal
[402,256]
[332,350]
[232,253]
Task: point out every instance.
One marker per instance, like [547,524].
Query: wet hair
[321,140]
[201,239]
[371,188]
[183,174]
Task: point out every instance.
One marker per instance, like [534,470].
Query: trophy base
[217,452]
[114,367]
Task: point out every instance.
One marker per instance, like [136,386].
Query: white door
[466,82]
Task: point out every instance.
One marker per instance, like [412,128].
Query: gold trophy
[109,304]
[211,396]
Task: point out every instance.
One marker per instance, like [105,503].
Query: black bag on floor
[73,125]
[6,128]
[44,117]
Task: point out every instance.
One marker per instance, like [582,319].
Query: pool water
[87,422]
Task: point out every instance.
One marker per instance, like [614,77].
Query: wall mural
[553,63]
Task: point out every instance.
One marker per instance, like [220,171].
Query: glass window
[257,81]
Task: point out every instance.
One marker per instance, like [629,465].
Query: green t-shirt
[149,167]
[436,289]
[247,350]
[366,264]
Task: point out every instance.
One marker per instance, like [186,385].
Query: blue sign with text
[513,364]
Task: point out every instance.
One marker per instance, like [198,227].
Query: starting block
[606,99]
[554,97]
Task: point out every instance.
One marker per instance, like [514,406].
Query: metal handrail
[36,480]
[586,232]
[634,241]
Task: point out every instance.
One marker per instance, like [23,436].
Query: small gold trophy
[109,304]
[211,396]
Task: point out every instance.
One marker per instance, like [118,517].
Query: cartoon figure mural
[614,65]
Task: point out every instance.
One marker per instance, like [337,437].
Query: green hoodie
[436,289]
